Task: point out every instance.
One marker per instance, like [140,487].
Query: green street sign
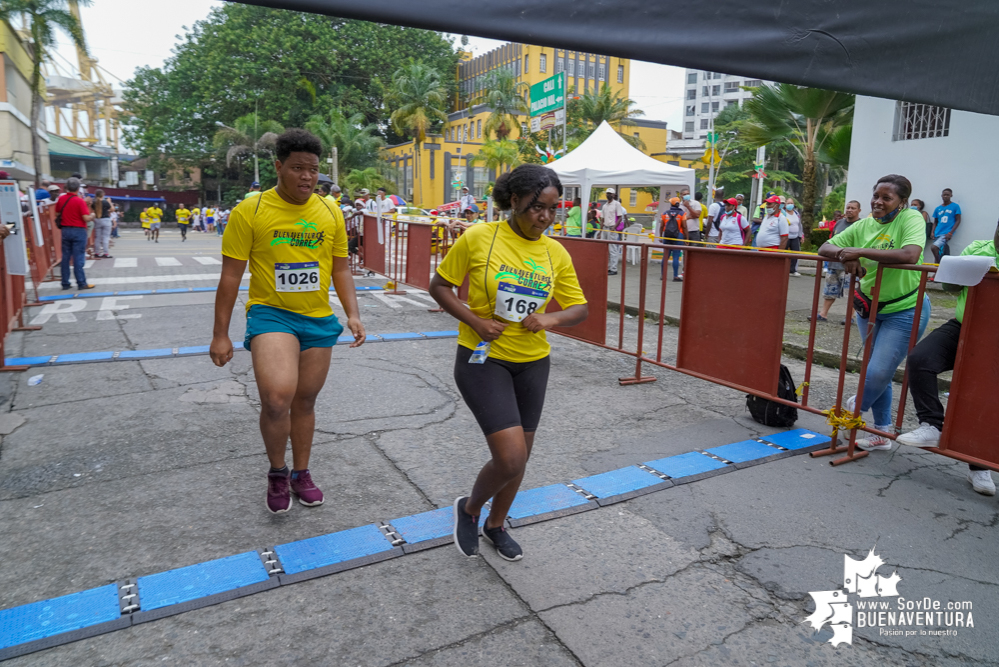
[548,95]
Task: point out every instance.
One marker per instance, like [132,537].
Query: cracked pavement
[135,467]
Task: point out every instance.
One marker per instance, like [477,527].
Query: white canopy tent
[606,159]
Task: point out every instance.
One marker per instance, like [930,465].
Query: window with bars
[572,67]
[602,72]
[692,77]
[704,123]
[478,129]
[752,83]
[692,94]
[633,199]
[731,86]
[718,75]
[920,121]
[714,106]
[527,64]
[730,103]
[704,107]
[559,65]
[715,91]
[688,126]
[691,110]
[704,91]
[592,70]
[543,63]
[620,73]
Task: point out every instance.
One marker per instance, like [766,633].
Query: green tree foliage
[588,110]
[42,18]
[498,154]
[419,100]
[834,201]
[506,98]
[738,163]
[369,178]
[357,142]
[290,65]
[249,137]
[806,119]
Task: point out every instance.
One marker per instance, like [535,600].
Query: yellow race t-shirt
[144,219]
[154,214]
[526,275]
[183,216]
[195,211]
[290,249]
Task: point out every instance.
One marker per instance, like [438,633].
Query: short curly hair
[526,181]
[295,140]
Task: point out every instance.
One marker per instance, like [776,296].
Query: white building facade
[706,94]
[935,148]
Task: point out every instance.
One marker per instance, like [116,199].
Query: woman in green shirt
[892,234]
[574,221]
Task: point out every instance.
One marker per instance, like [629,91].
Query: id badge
[296,277]
[515,302]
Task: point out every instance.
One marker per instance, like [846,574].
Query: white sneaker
[926,435]
[981,481]
[796,274]
[874,443]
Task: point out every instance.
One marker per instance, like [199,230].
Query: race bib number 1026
[296,277]
[515,302]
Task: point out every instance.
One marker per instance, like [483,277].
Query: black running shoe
[466,529]
[505,545]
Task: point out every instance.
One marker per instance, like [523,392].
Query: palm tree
[248,136]
[43,16]
[498,154]
[594,108]
[369,178]
[355,141]
[506,99]
[805,118]
[419,98]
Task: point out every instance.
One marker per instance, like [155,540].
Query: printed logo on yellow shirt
[536,278]
[308,237]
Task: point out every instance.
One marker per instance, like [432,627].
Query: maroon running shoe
[306,490]
[278,492]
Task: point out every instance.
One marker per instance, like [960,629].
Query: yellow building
[443,156]
[15,109]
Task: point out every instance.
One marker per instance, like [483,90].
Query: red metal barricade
[590,262]
[727,333]
[970,432]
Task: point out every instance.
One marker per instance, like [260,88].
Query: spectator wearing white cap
[466,201]
[614,217]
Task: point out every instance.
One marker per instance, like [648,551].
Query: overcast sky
[125,34]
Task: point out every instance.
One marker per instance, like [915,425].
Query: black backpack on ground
[770,413]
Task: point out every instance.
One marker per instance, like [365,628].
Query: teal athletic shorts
[310,331]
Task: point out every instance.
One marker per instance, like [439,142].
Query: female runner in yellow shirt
[514,270]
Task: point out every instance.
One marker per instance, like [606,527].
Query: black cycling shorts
[502,394]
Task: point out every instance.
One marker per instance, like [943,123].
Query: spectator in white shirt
[795,233]
[733,225]
[773,230]
[712,232]
[692,212]
[467,201]
[613,218]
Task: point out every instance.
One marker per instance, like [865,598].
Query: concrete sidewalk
[130,468]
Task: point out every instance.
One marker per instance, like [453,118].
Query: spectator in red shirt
[75,216]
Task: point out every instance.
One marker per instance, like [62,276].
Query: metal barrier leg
[913,335]
[643,284]
[834,447]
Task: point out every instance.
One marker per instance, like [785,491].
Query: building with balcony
[705,94]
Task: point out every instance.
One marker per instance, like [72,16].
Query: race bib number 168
[515,302]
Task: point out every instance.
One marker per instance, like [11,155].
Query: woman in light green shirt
[892,234]
[574,221]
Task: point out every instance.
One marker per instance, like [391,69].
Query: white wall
[963,161]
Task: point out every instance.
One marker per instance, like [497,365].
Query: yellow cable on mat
[846,422]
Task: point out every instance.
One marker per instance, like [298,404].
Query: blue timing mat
[797,439]
[39,620]
[544,499]
[200,580]
[616,482]
[740,452]
[685,465]
[330,549]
